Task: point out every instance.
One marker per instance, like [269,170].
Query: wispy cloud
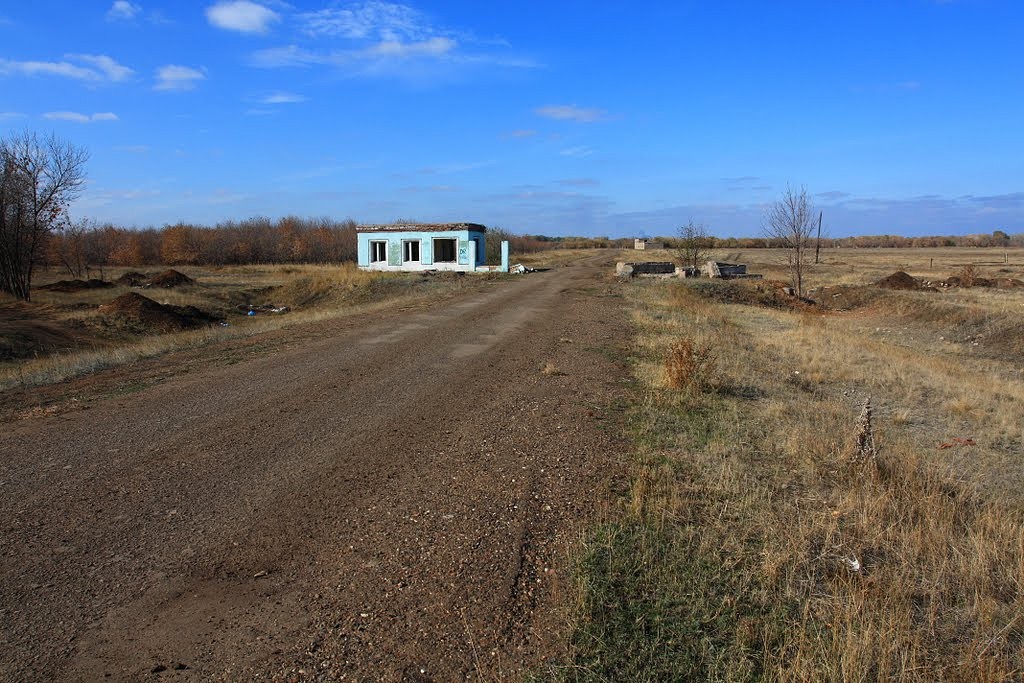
[76,117]
[580,151]
[104,65]
[122,10]
[833,195]
[132,149]
[383,21]
[383,39]
[571,112]
[378,59]
[1009,197]
[579,182]
[175,77]
[242,16]
[523,133]
[415,189]
[282,98]
[90,68]
[11,115]
[455,167]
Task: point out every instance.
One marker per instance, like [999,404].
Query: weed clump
[689,365]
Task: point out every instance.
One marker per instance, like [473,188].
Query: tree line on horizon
[40,176]
[88,245]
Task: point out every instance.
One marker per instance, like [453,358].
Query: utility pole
[817,244]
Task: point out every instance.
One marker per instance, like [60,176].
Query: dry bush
[968,275]
[689,365]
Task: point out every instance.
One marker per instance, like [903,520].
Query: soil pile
[133,278]
[76,285]
[170,278]
[766,293]
[845,297]
[136,311]
[998,283]
[898,280]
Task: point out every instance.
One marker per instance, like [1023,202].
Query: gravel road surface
[392,499]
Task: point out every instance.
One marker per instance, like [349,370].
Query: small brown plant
[689,365]
[551,369]
[864,447]
[968,274]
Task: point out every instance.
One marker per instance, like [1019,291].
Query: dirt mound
[170,278]
[76,285]
[1008,283]
[898,280]
[766,293]
[133,279]
[33,338]
[136,311]
[845,297]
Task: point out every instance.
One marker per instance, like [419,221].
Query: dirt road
[387,500]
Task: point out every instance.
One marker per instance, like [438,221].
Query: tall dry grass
[752,546]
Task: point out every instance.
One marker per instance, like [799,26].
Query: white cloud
[30,68]
[282,98]
[10,115]
[289,55]
[122,10]
[570,112]
[176,77]
[383,21]
[104,65]
[374,56]
[385,39]
[133,149]
[75,117]
[98,68]
[241,15]
[434,47]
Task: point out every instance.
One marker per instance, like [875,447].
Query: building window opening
[444,250]
[410,250]
[378,251]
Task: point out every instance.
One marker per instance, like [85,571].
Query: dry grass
[751,546]
[314,293]
[689,366]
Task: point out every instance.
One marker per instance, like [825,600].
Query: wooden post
[817,245]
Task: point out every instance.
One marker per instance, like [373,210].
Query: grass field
[755,543]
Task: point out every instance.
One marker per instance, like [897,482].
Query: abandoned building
[643,243]
[425,246]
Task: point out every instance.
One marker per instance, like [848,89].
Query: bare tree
[789,222]
[39,178]
[694,244]
[69,247]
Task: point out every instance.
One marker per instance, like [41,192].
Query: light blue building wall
[450,246]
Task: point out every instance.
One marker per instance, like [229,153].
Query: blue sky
[588,118]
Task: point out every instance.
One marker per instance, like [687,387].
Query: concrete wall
[469,249]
